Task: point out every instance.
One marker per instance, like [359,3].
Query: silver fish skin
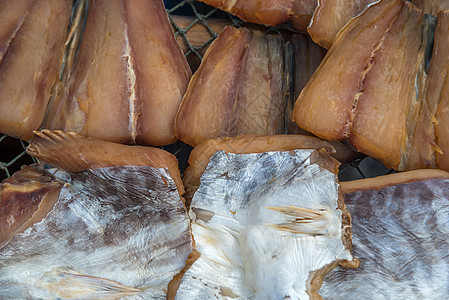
[400,235]
[262,222]
[115,233]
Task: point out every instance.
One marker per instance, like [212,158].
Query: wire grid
[12,151]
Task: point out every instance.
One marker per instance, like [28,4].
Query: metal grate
[12,151]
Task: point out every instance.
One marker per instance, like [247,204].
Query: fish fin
[299,220]
[71,285]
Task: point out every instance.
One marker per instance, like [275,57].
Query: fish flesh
[110,232]
[201,154]
[390,89]
[325,104]
[32,36]
[266,226]
[245,84]
[331,16]
[295,13]
[400,225]
[390,103]
[112,225]
[75,153]
[129,77]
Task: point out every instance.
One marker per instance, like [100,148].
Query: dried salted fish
[296,13]
[243,86]
[391,89]
[392,106]
[32,36]
[112,232]
[325,104]
[332,15]
[75,153]
[400,235]
[201,154]
[130,76]
[267,226]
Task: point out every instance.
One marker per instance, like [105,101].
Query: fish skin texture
[325,104]
[32,37]
[246,222]
[244,85]
[201,154]
[75,153]
[296,13]
[130,76]
[103,239]
[400,236]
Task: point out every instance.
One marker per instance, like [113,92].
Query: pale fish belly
[400,235]
[115,233]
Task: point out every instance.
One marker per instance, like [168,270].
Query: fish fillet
[388,104]
[399,233]
[244,85]
[332,15]
[267,226]
[325,104]
[110,233]
[32,36]
[439,87]
[296,13]
[130,76]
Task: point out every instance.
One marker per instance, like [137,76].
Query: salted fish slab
[400,236]
[115,232]
[246,222]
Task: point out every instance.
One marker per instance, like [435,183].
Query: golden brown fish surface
[130,76]
[388,104]
[32,36]
[244,85]
[325,104]
[75,153]
[332,15]
[394,109]
[296,13]
[25,198]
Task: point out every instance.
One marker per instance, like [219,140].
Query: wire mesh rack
[187,17]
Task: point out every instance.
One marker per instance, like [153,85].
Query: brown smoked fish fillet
[297,13]
[325,104]
[32,36]
[236,90]
[331,16]
[386,111]
[130,76]
[440,89]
